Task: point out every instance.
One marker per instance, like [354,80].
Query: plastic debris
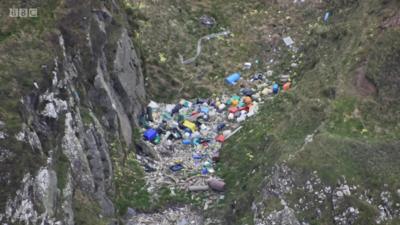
[207,21]
[247,65]
[232,79]
[153,105]
[288,41]
[275,88]
[176,167]
[286,86]
[326,16]
[198,188]
[220,138]
[190,125]
[150,134]
[189,134]
[216,185]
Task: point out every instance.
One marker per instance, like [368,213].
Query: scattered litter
[326,16]
[198,188]
[232,79]
[247,65]
[207,21]
[176,167]
[216,185]
[198,50]
[153,105]
[275,88]
[184,139]
[284,78]
[288,41]
[150,134]
[286,86]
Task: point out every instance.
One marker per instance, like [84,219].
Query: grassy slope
[176,30]
[356,134]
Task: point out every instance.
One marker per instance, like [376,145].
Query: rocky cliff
[56,165]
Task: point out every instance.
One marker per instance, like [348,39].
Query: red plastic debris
[220,138]
[233,109]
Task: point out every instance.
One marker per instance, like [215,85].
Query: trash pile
[186,137]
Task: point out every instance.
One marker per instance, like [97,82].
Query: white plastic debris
[247,65]
[153,105]
[288,41]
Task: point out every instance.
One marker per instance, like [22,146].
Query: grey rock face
[285,216]
[127,68]
[62,122]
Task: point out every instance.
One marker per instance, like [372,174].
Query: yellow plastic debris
[189,125]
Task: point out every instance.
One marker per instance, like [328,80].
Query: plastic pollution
[275,88]
[215,156]
[150,134]
[326,16]
[284,77]
[189,125]
[207,21]
[153,105]
[176,167]
[157,140]
[220,126]
[221,106]
[220,138]
[176,133]
[169,108]
[185,103]
[186,142]
[226,133]
[203,127]
[241,118]
[197,156]
[266,91]
[234,102]
[204,110]
[286,86]
[235,97]
[209,167]
[247,100]
[231,116]
[247,92]
[216,185]
[247,65]
[232,79]
[198,188]
[149,111]
[233,109]
[288,41]
[204,171]
[176,109]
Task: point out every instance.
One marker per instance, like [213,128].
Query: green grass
[61,169]
[354,138]
[86,211]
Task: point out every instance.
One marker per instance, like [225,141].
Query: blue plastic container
[186,142]
[275,88]
[232,79]
[204,110]
[176,167]
[150,134]
[204,171]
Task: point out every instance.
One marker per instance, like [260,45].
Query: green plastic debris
[157,140]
